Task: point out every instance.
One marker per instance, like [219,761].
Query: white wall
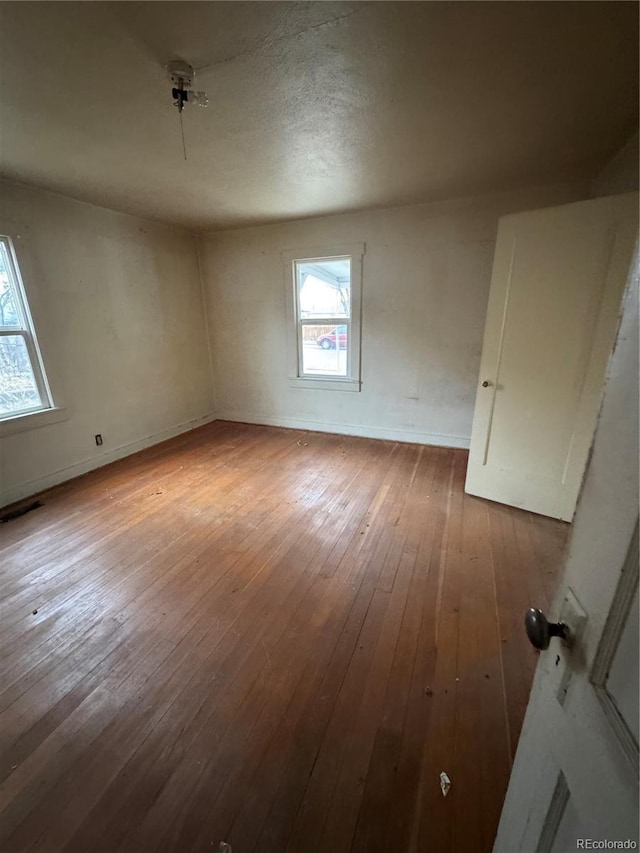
[426,279]
[117,304]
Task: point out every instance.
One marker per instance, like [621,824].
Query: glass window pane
[9,315]
[324,288]
[324,350]
[18,389]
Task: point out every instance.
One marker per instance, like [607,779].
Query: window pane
[324,288]
[324,350]
[8,309]
[18,389]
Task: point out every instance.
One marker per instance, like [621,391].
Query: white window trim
[32,420]
[49,412]
[355,252]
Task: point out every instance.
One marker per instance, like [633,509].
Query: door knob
[486,383]
[540,630]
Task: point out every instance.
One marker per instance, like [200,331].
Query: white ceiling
[315,108]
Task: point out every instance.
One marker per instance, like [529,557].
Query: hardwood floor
[268,637]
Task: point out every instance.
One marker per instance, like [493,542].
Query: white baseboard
[33,487]
[411,437]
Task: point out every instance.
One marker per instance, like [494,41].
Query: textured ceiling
[314,107]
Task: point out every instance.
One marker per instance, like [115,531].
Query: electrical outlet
[98,440]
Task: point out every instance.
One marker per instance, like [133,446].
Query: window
[324,299]
[23,385]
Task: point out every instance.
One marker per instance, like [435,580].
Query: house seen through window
[23,385]
[324,315]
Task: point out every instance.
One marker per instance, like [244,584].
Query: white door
[558,278]
[575,775]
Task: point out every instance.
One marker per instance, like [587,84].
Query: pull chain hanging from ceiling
[181,75]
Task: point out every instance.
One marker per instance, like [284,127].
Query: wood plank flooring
[268,637]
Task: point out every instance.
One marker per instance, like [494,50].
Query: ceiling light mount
[181,75]
[179,72]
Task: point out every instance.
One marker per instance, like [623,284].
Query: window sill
[32,420]
[326,384]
